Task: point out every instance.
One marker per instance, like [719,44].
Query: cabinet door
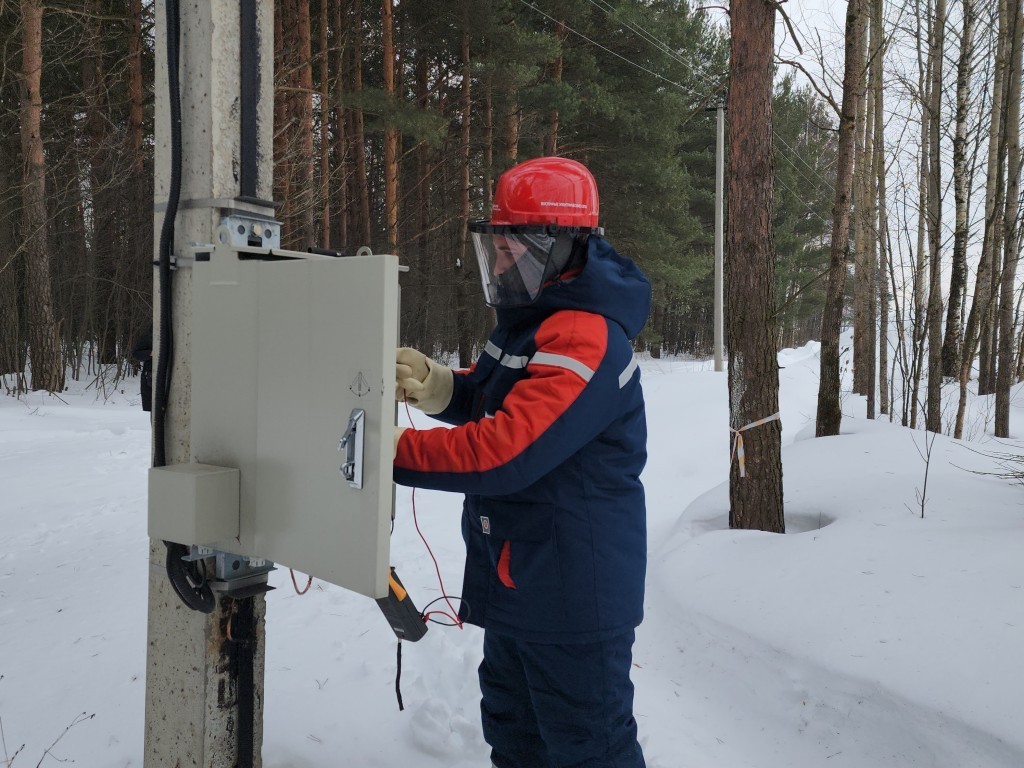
[323,352]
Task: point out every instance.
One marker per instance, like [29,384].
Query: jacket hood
[609,284]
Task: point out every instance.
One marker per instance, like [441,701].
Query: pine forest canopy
[392,124]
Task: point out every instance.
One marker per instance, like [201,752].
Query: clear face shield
[517,260]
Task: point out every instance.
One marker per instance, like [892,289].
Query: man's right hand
[422,382]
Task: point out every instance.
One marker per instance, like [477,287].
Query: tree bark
[467,330]
[11,360]
[136,95]
[990,328]
[829,415]
[361,186]
[1006,370]
[339,179]
[390,133]
[882,229]
[859,222]
[43,336]
[282,109]
[551,137]
[325,129]
[978,318]
[933,420]
[419,300]
[756,500]
[920,319]
[961,193]
[302,232]
[140,222]
[488,148]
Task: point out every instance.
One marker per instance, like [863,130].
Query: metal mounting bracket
[234,575]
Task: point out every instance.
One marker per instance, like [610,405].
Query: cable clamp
[737,443]
[185,262]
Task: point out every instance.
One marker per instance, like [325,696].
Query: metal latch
[352,443]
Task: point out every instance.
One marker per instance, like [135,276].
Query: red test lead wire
[454,615]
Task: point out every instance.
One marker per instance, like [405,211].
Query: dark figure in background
[143,353]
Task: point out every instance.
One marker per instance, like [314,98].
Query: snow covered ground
[868,635]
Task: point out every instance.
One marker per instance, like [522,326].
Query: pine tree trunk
[339,179]
[488,148]
[551,137]
[10,345]
[103,247]
[325,130]
[302,232]
[417,302]
[282,111]
[829,415]
[933,421]
[361,185]
[43,334]
[756,499]
[136,95]
[390,133]
[463,272]
[1006,370]
[140,222]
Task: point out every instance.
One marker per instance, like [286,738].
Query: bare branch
[814,83]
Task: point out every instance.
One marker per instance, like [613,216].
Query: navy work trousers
[559,706]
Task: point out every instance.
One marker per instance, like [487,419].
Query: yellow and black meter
[406,621]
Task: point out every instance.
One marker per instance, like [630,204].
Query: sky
[880,630]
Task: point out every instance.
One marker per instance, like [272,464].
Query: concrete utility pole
[204,672]
[719,237]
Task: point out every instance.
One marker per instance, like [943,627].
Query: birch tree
[978,320]
[953,338]
[829,414]
[933,114]
[1006,368]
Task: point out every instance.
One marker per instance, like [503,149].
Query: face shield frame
[517,261]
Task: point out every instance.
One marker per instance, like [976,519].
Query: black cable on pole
[162,380]
[188,583]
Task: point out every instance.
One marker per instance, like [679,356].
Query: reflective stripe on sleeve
[627,374]
[564,361]
[515,361]
[493,350]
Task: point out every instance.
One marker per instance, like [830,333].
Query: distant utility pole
[720,236]
[204,672]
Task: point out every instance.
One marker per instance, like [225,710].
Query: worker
[548,441]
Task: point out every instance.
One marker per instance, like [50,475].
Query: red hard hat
[547,190]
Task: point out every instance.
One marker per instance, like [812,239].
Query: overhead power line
[667,50]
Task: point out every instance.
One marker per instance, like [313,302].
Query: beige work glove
[422,382]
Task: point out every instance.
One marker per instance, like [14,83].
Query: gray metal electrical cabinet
[293,384]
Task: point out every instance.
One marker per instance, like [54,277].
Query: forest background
[394,121]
